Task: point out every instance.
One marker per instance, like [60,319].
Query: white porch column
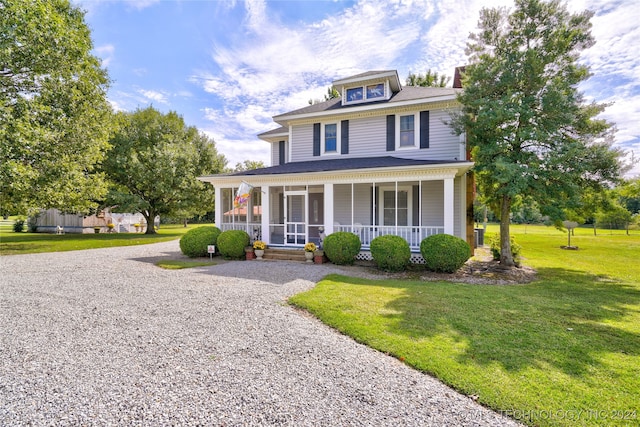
[448,206]
[266,211]
[328,209]
[219,207]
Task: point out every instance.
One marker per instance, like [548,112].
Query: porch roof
[332,165]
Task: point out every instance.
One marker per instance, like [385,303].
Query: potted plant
[111,226]
[309,249]
[96,229]
[137,226]
[259,246]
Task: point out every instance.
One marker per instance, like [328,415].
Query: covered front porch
[291,210]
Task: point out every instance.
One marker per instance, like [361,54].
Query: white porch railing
[253,229]
[412,234]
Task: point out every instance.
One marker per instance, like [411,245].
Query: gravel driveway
[104,337]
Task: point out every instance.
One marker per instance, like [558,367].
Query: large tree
[154,163]
[529,129]
[54,116]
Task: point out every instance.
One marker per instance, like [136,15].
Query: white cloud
[105,53]
[153,95]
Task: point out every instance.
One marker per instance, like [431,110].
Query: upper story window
[407,131]
[330,135]
[366,93]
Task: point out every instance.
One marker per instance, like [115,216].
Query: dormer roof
[370,76]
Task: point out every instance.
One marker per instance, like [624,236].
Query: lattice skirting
[416,258]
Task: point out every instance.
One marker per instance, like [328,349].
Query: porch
[292,215]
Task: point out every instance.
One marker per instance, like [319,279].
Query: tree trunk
[506,259]
[594,228]
[185,222]
[149,216]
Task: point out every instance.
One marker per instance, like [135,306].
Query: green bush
[195,241]
[390,253]
[231,244]
[444,253]
[342,247]
[495,246]
[18,226]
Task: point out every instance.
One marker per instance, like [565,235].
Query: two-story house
[379,159]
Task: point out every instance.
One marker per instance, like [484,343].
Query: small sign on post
[569,225]
[211,249]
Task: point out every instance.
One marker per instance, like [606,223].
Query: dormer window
[366,93]
[354,94]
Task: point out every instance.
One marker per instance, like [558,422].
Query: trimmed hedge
[341,247]
[231,243]
[195,241]
[444,253]
[390,253]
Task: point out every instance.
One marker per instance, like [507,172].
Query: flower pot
[308,256]
[318,257]
[259,253]
[248,251]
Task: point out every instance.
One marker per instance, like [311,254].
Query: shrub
[495,246]
[18,226]
[444,253]
[390,253]
[195,241]
[342,247]
[231,244]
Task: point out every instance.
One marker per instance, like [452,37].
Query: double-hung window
[331,138]
[407,131]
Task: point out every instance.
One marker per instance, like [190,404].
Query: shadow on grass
[566,320]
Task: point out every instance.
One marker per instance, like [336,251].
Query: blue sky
[228,66]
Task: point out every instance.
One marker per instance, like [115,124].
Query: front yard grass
[12,243]
[563,350]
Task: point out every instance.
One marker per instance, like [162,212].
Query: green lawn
[12,243]
[563,350]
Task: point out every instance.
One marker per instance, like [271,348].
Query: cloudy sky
[228,66]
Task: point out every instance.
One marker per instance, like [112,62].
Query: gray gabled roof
[408,93]
[330,165]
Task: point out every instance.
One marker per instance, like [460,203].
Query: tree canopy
[54,116]
[528,127]
[154,163]
[430,79]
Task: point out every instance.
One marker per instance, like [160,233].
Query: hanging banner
[243,194]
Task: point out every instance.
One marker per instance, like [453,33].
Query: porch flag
[243,194]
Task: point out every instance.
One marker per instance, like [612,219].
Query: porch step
[284,254]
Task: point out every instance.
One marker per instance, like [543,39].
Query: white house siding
[362,203]
[443,145]
[458,193]
[367,138]
[302,143]
[275,154]
[342,203]
[432,203]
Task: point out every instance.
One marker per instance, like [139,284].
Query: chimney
[457,77]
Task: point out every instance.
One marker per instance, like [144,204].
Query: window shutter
[391,132]
[416,205]
[316,139]
[344,136]
[424,129]
[281,156]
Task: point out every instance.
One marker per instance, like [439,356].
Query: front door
[295,223]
